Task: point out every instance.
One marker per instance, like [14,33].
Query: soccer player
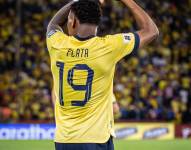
[83,66]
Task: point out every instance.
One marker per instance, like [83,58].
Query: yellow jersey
[83,72]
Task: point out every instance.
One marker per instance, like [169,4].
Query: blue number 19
[87,87]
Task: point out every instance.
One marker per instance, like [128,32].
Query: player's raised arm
[148,30]
[59,18]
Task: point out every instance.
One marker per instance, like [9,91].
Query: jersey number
[87,87]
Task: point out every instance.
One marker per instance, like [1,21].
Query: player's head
[83,12]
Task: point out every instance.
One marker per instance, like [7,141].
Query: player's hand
[102,1]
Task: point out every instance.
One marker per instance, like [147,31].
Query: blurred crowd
[153,84]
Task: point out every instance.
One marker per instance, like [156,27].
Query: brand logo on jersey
[125,132]
[154,133]
[126,38]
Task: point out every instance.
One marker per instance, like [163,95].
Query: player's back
[83,71]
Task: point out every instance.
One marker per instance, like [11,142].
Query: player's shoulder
[108,37]
[54,34]
[121,35]
[112,38]
[56,39]
[125,36]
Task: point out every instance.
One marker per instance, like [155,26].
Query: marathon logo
[27,132]
[155,133]
[125,132]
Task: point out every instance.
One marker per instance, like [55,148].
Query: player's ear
[74,23]
[70,18]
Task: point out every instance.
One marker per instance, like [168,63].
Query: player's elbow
[154,32]
[148,35]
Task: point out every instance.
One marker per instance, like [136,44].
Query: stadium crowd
[152,84]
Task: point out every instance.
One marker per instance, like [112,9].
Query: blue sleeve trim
[137,42]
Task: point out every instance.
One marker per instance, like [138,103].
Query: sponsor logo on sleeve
[126,38]
[51,33]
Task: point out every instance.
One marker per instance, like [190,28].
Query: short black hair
[87,11]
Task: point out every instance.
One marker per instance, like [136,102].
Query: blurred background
[151,85]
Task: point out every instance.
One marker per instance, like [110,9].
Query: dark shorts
[86,146]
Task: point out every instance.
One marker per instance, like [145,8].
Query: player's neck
[86,30]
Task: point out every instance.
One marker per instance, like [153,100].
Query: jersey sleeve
[53,38]
[124,44]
